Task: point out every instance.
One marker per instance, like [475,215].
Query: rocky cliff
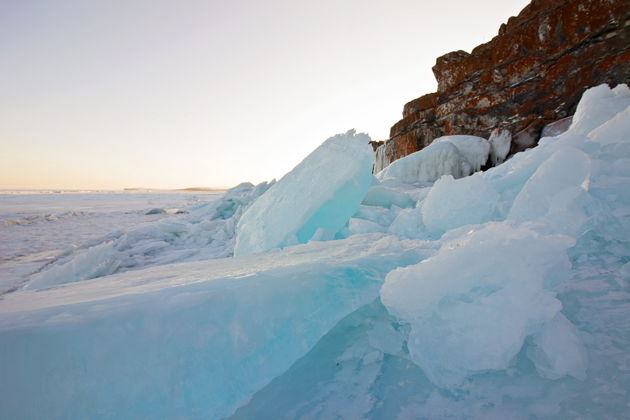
[531,74]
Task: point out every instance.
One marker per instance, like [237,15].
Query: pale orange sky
[170,94]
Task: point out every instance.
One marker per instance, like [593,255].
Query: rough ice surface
[477,318]
[204,231]
[40,227]
[500,295]
[320,194]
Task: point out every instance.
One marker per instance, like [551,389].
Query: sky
[188,93]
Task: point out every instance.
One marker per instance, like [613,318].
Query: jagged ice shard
[313,201]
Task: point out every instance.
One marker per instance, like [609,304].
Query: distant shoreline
[201,189]
[18,191]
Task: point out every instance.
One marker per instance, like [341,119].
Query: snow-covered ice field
[423,292]
[37,226]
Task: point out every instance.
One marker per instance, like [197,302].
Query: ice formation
[499,295]
[477,318]
[44,226]
[426,165]
[387,196]
[500,142]
[380,161]
[473,150]
[449,155]
[551,192]
[317,197]
[203,231]
[557,350]
[191,340]
[597,105]
[453,203]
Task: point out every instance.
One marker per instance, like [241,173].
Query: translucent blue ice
[477,318]
[189,340]
[317,197]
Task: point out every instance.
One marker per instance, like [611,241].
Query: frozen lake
[35,227]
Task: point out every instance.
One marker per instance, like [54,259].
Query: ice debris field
[430,290]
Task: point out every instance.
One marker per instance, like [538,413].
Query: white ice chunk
[408,224]
[598,105]
[473,150]
[322,192]
[426,165]
[558,350]
[472,305]
[557,181]
[452,203]
[615,130]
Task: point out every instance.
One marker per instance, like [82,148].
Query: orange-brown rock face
[532,73]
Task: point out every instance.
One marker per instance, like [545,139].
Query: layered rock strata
[531,74]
